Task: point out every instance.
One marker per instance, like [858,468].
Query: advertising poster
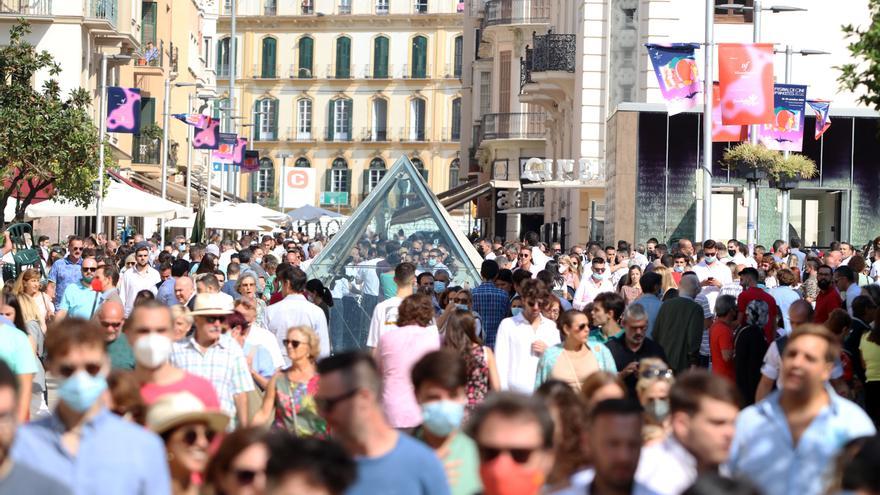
[123,110]
[786,132]
[676,71]
[746,79]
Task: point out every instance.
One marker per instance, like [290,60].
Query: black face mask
[731,252]
[824,284]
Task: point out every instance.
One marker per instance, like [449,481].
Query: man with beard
[828,299]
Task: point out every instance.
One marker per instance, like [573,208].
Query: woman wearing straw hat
[188,429]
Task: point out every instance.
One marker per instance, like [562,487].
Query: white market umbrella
[121,200]
[226,216]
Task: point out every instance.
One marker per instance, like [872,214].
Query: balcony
[554,52]
[547,70]
[270,72]
[370,135]
[514,12]
[414,135]
[513,126]
[107,10]
[296,135]
[344,8]
[155,57]
[338,136]
[297,72]
[146,150]
[26,7]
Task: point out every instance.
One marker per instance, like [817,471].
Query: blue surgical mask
[258,260]
[81,390]
[598,276]
[439,286]
[516,311]
[462,307]
[678,269]
[710,259]
[442,417]
[432,262]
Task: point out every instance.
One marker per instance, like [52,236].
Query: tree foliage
[46,140]
[864,46]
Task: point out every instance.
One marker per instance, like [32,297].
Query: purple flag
[676,71]
[123,110]
[238,152]
[251,161]
[786,131]
[224,151]
[823,120]
[209,137]
[196,120]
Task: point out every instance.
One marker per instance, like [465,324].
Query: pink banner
[746,78]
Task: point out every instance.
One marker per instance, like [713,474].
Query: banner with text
[823,120]
[300,186]
[123,110]
[746,78]
[724,133]
[786,132]
[676,71]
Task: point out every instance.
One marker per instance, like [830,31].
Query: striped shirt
[223,364]
[493,305]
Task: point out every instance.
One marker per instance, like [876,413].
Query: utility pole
[707,119]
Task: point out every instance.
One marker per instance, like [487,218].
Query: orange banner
[745,72]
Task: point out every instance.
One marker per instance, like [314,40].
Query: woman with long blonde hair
[35,304]
[667,282]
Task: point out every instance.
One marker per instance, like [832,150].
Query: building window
[223,57]
[456,119]
[339,177]
[308,7]
[417,119]
[268,71]
[266,177]
[306,46]
[419,57]
[454,173]
[373,175]
[302,162]
[148,22]
[339,120]
[345,6]
[207,51]
[270,7]
[420,6]
[485,93]
[380,57]
[381,6]
[420,166]
[380,120]
[343,57]
[456,65]
[266,119]
[734,16]
[304,119]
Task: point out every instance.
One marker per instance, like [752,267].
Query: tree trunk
[4,198]
[24,203]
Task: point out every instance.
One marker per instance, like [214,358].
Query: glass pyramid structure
[400,220]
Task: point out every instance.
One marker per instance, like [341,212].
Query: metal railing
[294,135]
[26,7]
[513,126]
[331,136]
[297,72]
[154,59]
[502,12]
[525,69]
[345,8]
[554,52]
[222,70]
[104,9]
[414,135]
[260,72]
[380,135]
[146,150]
[307,7]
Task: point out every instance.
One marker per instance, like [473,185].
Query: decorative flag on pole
[786,132]
[209,137]
[746,77]
[724,133]
[196,120]
[676,71]
[226,147]
[123,110]
[823,120]
[238,152]
[251,161]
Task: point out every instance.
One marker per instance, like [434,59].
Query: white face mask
[152,351]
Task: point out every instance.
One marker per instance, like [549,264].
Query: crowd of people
[222,368]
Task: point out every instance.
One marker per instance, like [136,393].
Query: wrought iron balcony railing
[554,52]
[513,126]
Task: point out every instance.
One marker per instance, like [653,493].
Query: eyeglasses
[326,404]
[89,269]
[656,373]
[581,327]
[191,434]
[519,455]
[461,301]
[291,342]
[66,370]
[245,477]
[524,255]
[79,248]
[214,318]
[114,324]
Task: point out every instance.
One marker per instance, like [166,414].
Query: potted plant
[753,162]
[787,171]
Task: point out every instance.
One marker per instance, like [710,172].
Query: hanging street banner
[823,120]
[251,161]
[196,120]
[209,137]
[676,71]
[724,133]
[786,132]
[300,187]
[123,110]
[746,78]
[224,151]
[238,152]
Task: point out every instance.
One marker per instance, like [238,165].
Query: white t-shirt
[875,271]
[517,364]
[773,363]
[384,319]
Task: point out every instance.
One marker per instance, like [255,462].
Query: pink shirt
[193,384]
[397,352]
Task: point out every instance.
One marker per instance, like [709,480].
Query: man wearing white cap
[220,360]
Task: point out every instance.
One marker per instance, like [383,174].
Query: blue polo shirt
[64,273]
[80,301]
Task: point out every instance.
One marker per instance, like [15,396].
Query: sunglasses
[536,302]
[291,342]
[114,324]
[326,404]
[520,456]
[90,269]
[656,373]
[245,477]
[191,434]
[76,248]
[214,318]
[66,370]
[461,301]
[524,255]
[581,327]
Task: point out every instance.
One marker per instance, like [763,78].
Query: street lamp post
[282,183]
[707,119]
[102,133]
[165,125]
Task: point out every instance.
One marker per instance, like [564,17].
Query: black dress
[749,349]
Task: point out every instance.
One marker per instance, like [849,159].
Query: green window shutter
[274,115]
[148,22]
[456,68]
[347,115]
[419,57]
[148,112]
[343,58]
[365,182]
[328,179]
[330,119]
[380,58]
[222,55]
[258,136]
[346,174]
[269,45]
[306,46]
